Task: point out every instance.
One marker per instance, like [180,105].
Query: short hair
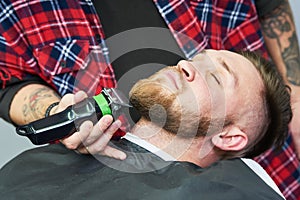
[277,99]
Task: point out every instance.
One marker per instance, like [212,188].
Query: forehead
[231,57]
[243,68]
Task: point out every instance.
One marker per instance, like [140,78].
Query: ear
[233,139]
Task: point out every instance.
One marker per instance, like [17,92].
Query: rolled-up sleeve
[263,7]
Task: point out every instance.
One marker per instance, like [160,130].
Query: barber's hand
[91,139]
[295,123]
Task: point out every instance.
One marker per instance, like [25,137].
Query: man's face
[208,91]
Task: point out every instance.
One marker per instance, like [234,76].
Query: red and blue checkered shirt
[52,39]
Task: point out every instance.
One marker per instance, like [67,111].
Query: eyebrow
[232,73]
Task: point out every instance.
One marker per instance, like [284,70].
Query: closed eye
[216,78]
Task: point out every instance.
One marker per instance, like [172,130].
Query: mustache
[157,76]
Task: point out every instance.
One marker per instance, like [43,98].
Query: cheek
[218,98]
[211,95]
[195,97]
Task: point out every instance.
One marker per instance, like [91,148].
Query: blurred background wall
[11,144]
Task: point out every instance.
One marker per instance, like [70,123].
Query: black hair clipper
[47,130]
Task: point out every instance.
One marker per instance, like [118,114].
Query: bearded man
[198,119]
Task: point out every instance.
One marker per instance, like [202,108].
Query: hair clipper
[109,101]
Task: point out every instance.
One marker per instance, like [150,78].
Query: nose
[187,69]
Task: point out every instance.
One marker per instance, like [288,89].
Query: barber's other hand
[295,123]
[91,139]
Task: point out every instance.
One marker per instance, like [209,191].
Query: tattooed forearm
[36,102]
[292,61]
[30,103]
[279,26]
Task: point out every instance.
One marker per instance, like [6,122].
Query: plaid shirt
[52,39]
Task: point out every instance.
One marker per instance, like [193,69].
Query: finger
[75,140]
[114,153]
[65,101]
[101,143]
[108,151]
[99,128]
[79,96]
[83,149]
[70,99]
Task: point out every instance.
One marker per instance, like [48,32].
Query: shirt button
[98,38]
[63,63]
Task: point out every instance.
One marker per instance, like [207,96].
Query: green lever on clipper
[103,104]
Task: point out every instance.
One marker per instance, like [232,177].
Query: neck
[196,150]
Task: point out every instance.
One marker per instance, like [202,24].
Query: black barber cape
[54,172]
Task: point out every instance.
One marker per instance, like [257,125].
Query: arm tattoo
[35,104]
[279,25]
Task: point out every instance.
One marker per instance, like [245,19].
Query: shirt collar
[148,146]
